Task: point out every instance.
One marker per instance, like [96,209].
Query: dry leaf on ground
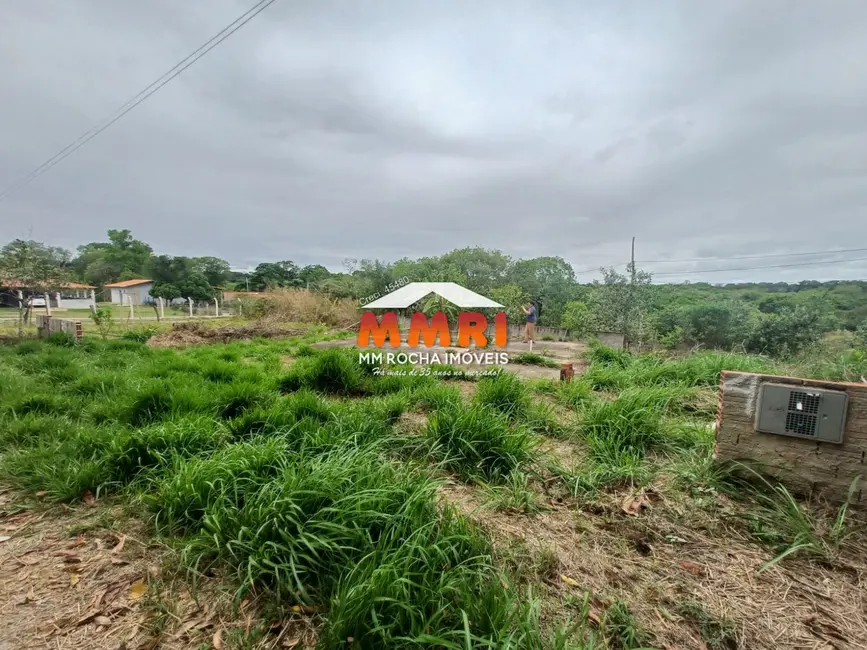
[137,590]
[692,567]
[634,503]
[218,639]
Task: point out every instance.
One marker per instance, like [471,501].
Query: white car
[37,302]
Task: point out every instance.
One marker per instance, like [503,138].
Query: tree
[166,291]
[550,281]
[861,335]
[271,275]
[215,270]
[621,305]
[578,319]
[169,269]
[313,274]
[513,298]
[122,257]
[35,269]
[785,333]
[197,288]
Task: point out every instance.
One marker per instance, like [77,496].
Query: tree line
[777,317]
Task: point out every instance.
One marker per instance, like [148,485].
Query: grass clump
[331,371]
[233,400]
[573,394]
[478,441]
[620,432]
[505,393]
[602,355]
[282,415]
[790,528]
[140,334]
[515,494]
[534,359]
[162,399]
[436,395]
[180,497]
[717,632]
[364,540]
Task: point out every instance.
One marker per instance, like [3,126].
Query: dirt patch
[195,333]
[68,581]
[91,578]
[675,577]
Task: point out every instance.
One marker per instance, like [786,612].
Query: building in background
[72,295]
[137,292]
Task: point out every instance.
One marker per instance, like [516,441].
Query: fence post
[191,306]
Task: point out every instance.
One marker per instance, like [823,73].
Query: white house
[136,291]
[72,295]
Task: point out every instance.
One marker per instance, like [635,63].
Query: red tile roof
[14,284]
[127,283]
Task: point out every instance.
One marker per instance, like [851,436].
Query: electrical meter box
[801,412]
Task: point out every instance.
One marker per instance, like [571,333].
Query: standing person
[530,331]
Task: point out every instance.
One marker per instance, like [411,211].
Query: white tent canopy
[415,291]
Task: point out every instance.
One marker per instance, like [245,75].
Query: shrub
[785,333]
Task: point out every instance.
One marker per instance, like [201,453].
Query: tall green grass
[363,540]
[478,441]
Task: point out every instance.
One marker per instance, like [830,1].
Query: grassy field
[362,510]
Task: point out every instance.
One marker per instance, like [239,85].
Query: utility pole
[631,308]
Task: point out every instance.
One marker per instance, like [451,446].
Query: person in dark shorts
[530,331]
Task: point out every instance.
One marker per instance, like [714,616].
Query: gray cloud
[356,129]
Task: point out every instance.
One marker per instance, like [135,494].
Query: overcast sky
[328,129]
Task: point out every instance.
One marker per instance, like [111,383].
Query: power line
[753,257]
[165,78]
[759,268]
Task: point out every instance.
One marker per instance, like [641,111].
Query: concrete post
[131,312]
[191,306]
[216,307]
[47,305]
[57,297]
[162,308]
[93,301]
